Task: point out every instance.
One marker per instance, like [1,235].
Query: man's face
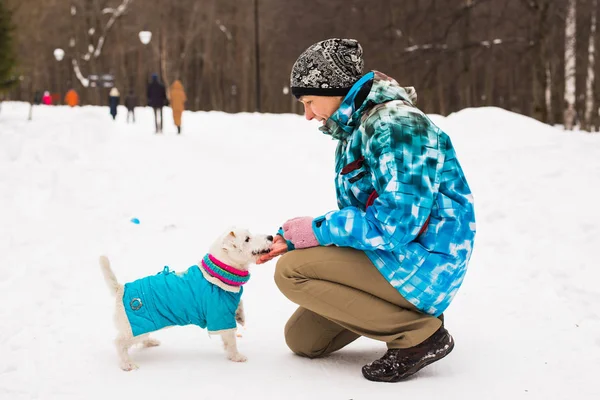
[320,107]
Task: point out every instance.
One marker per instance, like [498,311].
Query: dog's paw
[128,366]
[151,342]
[237,357]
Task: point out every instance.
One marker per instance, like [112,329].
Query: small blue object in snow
[135,221]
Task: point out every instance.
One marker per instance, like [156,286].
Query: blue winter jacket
[170,298]
[402,195]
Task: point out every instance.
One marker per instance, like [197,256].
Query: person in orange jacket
[72,98]
[177,99]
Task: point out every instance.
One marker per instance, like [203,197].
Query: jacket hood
[372,89]
[177,85]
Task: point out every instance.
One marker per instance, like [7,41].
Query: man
[157,98]
[389,262]
[131,103]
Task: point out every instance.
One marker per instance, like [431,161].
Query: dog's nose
[270,238]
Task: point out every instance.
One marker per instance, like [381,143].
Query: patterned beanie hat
[327,68]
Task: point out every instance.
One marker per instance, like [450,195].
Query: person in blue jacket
[114,98]
[390,260]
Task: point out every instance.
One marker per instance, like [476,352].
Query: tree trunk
[590,78]
[465,87]
[548,95]
[570,31]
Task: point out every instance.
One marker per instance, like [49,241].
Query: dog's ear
[229,243]
[227,248]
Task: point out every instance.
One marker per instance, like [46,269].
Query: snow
[526,321]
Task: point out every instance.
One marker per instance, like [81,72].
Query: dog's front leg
[230,343]
[123,352]
[240,315]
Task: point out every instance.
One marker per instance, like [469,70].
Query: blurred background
[236,55]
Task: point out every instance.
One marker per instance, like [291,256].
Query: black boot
[399,364]
[178,129]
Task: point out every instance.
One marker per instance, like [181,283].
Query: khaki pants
[343,296]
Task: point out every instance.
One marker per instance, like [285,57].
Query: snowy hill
[526,321]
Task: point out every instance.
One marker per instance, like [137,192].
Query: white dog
[207,295]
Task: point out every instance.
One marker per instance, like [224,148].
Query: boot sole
[415,369]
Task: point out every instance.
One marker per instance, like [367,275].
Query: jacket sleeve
[403,162]
[290,245]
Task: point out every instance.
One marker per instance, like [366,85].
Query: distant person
[72,98]
[131,102]
[157,99]
[37,100]
[46,98]
[55,98]
[114,99]
[177,98]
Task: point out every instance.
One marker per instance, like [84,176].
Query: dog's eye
[247,239]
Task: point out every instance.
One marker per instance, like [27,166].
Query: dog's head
[240,248]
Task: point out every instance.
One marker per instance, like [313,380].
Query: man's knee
[286,274]
[301,342]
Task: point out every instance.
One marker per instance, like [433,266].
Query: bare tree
[457,53]
[548,92]
[570,30]
[590,78]
[93,51]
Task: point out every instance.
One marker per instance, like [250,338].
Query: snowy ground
[526,321]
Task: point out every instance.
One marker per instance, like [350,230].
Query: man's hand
[278,248]
[299,231]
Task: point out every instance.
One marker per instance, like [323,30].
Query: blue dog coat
[168,299]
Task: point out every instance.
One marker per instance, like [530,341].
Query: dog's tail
[109,276]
